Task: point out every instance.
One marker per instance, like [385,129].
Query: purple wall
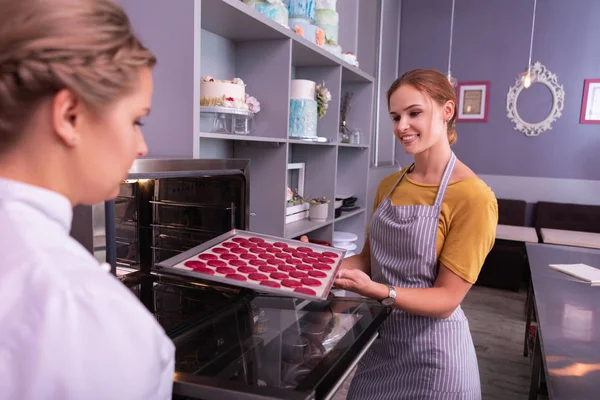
[491,42]
[169,32]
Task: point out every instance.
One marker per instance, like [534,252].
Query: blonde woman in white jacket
[75,84]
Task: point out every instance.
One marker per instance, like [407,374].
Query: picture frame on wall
[296,210]
[473,99]
[295,178]
[590,106]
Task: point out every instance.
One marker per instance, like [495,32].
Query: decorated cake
[350,58]
[305,28]
[303,109]
[214,92]
[335,50]
[327,4]
[302,9]
[227,93]
[272,9]
[328,20]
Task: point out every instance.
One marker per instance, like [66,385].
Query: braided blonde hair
[85,46]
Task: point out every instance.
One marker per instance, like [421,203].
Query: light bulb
[527,81]
[451,79]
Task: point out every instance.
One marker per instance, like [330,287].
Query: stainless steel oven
[230,342]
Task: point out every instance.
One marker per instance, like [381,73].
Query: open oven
[230,342]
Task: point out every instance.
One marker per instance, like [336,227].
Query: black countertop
[568,321]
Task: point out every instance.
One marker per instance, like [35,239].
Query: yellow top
[468,219]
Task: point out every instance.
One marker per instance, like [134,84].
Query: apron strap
[445,179]
[443,184]
[399,179]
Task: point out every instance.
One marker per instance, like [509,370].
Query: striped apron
[415,357]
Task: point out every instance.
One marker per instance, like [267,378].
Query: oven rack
[188,204]
[185,229]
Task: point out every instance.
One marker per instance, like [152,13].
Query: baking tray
[243,254]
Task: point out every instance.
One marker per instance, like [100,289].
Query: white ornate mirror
[539,74]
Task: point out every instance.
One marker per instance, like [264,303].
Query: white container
[318,212]
[348,246]
[339,236]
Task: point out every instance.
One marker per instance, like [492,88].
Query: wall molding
[533,189]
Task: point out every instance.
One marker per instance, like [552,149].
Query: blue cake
[309,31]
[277,11]
[302,9]
[303,118]
[303,109]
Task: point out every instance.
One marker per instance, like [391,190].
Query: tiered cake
[215,92]
[302,9]
[302,20]
[274,9]
[310,31]
[303,109]
[328,20]
[350,58]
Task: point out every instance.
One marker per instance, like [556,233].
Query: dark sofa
[506,265]
[570,217]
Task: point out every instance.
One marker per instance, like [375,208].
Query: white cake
[303,89]
[223,93]
[350,58]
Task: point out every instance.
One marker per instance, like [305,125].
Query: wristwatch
[388,301]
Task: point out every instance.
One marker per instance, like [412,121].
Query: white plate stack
[346,241]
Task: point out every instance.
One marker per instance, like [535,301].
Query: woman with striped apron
[424,253]
[416,357]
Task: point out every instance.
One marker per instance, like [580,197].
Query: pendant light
[526,78]
[451,79]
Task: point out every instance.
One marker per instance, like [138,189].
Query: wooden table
[571,238]
[516,233]
[567,343]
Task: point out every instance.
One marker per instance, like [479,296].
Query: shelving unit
[227,39]
[237,41]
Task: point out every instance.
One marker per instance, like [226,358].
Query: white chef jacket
[69,330]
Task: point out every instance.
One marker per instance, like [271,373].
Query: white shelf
[303,227]
[234,20]
[245,138]
[350,214]
[297,141]
[267,55]
[355,146]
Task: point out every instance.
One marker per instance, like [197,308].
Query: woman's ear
[448,110]
[66,111]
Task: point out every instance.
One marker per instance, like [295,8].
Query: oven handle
[343,378]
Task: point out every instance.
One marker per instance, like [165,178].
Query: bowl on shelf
[338,208]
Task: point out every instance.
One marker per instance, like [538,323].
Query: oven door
[275,347]
[162,214]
